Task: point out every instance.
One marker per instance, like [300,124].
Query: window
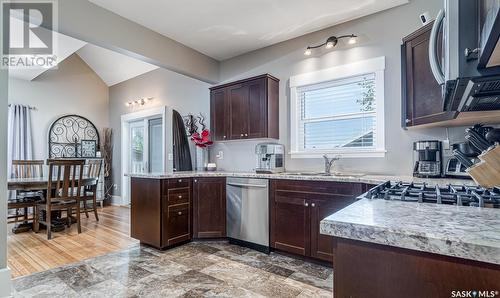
[339,111]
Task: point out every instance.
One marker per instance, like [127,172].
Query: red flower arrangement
[202,140]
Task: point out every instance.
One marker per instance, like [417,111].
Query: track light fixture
[331,42]
[139,102]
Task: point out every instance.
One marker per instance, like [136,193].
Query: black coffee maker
[427,156]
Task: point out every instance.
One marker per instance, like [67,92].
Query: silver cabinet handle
[180,213]
[224,137]
[313,205]
[246,135]
[195,180]
[241,135]
[180,197]
[436,70]
[180,180]
[306,204]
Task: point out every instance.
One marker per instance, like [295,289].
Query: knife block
[487,172]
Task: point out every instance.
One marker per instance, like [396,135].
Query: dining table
[38,184]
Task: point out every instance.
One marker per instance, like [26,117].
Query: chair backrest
[65,177]
[27,169]
[93,168]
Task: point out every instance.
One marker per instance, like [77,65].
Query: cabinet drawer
[319,187]
[178,196]
[177,183]
[178,224]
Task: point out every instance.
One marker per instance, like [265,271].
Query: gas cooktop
[461,195]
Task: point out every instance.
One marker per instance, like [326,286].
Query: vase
[202,157]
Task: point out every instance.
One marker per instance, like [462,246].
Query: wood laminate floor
[30,252]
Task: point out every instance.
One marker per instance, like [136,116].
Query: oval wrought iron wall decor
[67,133]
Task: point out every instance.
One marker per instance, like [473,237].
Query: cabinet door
[209,207]
[145,211]
[290,224]
[218,116]
[238,111]
[177,227]
[257,109]
[321,206]
[423,101]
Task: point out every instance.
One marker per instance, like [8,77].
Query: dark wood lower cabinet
[177,224]
[161,211]
[322,206]
[209,207]
[145,210]
[290,222]
[371,270]
[297,208]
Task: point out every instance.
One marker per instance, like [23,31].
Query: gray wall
[73,88]
[184,94]
[88,22]
[379,35]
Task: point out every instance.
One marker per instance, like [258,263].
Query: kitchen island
[387,248]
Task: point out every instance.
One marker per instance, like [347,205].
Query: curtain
[19,139]
[182,155]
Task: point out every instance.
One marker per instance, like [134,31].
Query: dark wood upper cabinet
[218,120]
[245,109]
[209,207]
[422,95]
[238,111]
[297,208]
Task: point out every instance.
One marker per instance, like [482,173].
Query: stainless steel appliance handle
[433,55]
[246,185]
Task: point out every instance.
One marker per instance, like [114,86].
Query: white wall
[379,35]
[5,283]
[73,88]
[179,92]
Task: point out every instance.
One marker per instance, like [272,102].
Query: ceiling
[112,67]
[226,28]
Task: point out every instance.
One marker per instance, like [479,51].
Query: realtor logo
[28,39]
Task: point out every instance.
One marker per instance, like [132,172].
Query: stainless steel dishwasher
[247,221]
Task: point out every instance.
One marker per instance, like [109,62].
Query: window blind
[338,114]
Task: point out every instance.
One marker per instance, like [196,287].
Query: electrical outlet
[446,144]
[115,186]
[170,156]
[220,155]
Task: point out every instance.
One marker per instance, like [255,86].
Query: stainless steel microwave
[464,54]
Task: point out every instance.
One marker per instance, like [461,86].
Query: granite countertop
[344,177]
[459,231]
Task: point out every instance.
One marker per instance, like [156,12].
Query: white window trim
[374,65]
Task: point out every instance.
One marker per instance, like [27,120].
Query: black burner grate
[461,195]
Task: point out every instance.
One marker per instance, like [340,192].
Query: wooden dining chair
[64,192]
[24,200]
[93,170]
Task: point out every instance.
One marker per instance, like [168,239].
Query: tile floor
[197,269]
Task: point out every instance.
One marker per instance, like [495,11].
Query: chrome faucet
[329,163]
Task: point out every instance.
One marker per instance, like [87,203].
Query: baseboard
[5,283]
[116,201]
